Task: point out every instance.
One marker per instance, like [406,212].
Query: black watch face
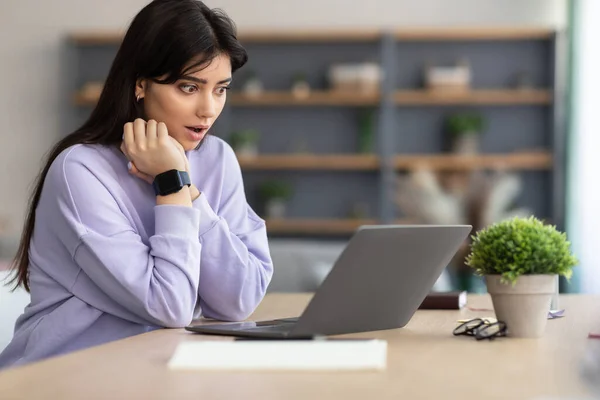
[169,182]
[170,187]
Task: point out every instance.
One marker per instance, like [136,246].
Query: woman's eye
[188,88]
[222,90]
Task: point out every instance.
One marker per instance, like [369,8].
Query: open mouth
[197,130]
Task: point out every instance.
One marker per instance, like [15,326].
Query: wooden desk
[424,361]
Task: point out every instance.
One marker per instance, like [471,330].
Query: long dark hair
[162,40]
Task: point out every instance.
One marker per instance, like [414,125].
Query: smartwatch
[170,182]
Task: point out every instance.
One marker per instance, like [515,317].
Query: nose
[207,107]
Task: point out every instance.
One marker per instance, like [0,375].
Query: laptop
[378,282]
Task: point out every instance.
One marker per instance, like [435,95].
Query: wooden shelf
[402,97]
[276,99]
[312,35]
[479,96]
[474,33]
[94,38]
[536,160]
[81,99]
[258,36]
[310,162]
[320,226]
[520,161]
[316,98]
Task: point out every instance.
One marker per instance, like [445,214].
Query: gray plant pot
[276,208]
[466,143]
[523,307]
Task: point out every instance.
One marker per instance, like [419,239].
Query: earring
[137,98]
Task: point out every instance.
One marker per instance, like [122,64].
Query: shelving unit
[525,131]
[92,38]
[514,161]
[83,100]
[335,162]
[402,97]
[310,226]
[473,34]
[315,98]
[474,97]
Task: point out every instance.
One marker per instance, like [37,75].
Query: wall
[32,98]
[288,13]
[584,193]
[11,306]
[33,65]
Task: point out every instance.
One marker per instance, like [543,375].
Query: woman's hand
[134,170]
[150,148]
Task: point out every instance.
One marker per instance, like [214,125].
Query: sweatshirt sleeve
[236,266]
[157,281]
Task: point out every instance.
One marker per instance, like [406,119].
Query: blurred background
[387,111]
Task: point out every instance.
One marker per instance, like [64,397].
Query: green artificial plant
[239,139]
[465,123]
[520,246]
[366,131]
[299,77]
[274,190]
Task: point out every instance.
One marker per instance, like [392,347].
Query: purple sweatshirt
[106,262]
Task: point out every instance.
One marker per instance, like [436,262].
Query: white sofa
[11,306]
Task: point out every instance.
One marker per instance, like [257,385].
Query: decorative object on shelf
[448,78]
[474,198]
[299,145]
[366,131]
[521,259]
[245,142]
[274,196]
[300,86]
[364,77]
[524,81]
[253,86]
[464,131]
[360,210]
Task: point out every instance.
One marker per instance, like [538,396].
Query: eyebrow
[203,81]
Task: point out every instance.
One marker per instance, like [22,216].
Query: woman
[104,253]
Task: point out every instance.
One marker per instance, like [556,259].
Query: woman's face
[191,105]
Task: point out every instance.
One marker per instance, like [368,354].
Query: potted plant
[521,259]
[252,86]
[274,195]
[245,142]
[366,131]
[465,130]
[300,86]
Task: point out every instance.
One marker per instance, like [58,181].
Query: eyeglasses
[481,329]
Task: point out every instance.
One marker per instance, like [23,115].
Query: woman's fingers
[161,131]
[151,132]
[128,139]
[139,133]
[149,147]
